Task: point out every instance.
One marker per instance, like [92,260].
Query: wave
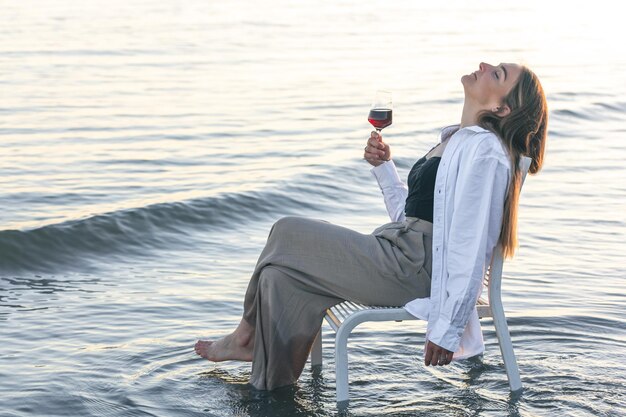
[134,232]
[598,111]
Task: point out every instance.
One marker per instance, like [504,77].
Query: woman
[461,201]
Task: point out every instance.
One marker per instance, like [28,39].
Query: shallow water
[147,149]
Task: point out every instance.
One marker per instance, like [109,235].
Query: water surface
[148,147]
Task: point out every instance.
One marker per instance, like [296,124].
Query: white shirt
[470,189]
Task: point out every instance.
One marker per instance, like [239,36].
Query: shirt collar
[473,128]
[476,128]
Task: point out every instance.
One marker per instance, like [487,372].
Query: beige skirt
[309,265]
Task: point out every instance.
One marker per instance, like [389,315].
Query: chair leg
[341,365]
[506,348]
[316,350]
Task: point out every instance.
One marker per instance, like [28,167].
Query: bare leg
[236,346]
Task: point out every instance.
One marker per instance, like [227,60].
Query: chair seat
[349,310]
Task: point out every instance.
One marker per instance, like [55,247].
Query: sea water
[147,148]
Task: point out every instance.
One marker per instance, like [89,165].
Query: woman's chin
[467,77]
[466,80]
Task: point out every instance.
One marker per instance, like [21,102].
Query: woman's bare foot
[236,346]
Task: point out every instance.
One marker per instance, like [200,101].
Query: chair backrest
[493,276]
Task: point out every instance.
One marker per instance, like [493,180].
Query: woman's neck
[469,117]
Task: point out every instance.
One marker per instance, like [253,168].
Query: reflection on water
[148,148]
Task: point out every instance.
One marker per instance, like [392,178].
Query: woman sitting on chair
[460,203]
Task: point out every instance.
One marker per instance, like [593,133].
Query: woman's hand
[436,355]
[376,151]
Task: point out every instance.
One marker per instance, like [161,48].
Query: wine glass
[381,111]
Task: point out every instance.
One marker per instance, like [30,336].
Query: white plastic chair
[344,317]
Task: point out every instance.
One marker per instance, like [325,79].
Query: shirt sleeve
[474,231]
[394,190]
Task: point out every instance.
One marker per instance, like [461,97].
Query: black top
[419,202]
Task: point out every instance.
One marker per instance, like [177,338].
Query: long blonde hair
[523,132]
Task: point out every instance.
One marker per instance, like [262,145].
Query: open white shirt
[470,189]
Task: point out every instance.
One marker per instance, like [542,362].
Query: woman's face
[488,86]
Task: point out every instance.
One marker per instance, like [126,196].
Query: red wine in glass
[380,118]
[381,110]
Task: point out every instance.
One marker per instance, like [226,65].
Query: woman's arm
[378,154]
[393,189]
